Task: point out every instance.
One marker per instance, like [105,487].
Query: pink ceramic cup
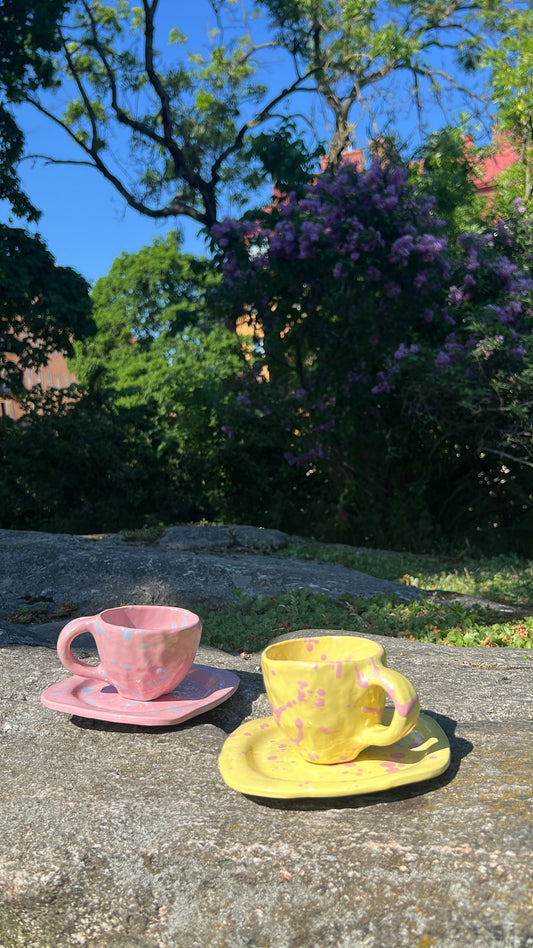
[145,651]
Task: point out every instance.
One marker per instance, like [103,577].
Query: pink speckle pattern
[391,766]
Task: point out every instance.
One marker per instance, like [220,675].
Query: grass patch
[506,579]
[249,627]
[143,536]
[43,612]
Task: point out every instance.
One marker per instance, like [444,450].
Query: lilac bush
[397,364]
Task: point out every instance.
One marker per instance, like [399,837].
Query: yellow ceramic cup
[327,695]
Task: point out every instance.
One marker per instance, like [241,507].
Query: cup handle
[406,707]
[64,643]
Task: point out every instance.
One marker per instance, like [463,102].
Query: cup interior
[150,618]
[322,650]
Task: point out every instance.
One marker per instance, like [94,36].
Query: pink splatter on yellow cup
[328,693]
[145,651]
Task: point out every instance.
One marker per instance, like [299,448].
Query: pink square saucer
[203,688]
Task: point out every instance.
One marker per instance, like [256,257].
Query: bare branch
[123,117]
[174,209]
[258,119]
[507,456]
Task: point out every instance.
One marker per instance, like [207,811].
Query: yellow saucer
[257,759]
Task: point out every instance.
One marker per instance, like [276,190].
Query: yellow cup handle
[406,707]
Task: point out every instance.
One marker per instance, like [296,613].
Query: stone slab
[223,538]
[116,836]
[53,571]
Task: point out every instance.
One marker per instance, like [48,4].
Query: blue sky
[85,222]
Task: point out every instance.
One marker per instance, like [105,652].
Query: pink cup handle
[64,643]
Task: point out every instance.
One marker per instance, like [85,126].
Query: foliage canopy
[177,130]
[402,361]
[28,36]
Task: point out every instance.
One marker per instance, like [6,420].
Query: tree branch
[174,209]
[508,457]
[258,119]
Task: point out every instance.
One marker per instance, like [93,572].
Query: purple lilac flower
[428,247]
[443,360]
[223,231]
[505,269]
[309,236]
[401,352]
[230,270]
[382,384]
[522,284]
[458,295]
[351,378]
[517,352]
[392,289]
[401,249]
[282,239]
[384,380]
[504,234]
[304,460]
[511,311]
[451,345]
[390,200]
[379,203]
[374,241]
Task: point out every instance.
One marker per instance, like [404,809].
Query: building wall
[54,374]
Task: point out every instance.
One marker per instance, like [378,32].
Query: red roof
[505,156]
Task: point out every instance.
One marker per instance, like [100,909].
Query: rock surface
[120,836]
[44,574]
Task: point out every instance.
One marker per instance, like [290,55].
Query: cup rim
[106,616]
[372,650]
